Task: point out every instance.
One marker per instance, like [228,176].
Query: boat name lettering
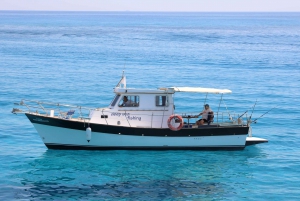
[40,120]
[134,118]
[118,114]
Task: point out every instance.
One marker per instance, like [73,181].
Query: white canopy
[201,90]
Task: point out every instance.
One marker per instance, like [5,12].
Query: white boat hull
[65,138]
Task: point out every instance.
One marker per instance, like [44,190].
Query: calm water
[77,58]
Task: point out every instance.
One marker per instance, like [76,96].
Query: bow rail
[66,111]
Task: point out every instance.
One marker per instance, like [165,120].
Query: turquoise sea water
[78,57]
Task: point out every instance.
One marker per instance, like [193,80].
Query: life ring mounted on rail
[178,119]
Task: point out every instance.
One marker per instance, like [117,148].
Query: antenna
[122,81]
[124,67]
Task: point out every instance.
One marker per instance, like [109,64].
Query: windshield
[113,103]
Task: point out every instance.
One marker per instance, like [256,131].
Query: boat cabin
[137,108]
[146,108]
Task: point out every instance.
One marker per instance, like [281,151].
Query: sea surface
[78,58]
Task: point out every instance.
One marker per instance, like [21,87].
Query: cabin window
[113,103]
[129,101]
[161,101]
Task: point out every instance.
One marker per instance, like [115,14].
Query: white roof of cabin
[171,90]
[143,91]
[201,90]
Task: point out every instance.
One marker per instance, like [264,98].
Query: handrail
[46,108]
[56,104]
[220,117]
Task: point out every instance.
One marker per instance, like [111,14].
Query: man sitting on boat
[207,116]
[126,102]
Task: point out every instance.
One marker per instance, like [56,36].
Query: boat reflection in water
[143,175]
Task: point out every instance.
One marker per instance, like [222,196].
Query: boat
[146,121]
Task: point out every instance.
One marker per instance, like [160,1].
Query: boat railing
[59,110]
[67,111]
[219,117]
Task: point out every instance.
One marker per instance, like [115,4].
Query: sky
[154,5]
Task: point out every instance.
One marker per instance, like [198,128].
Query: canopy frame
[201,90]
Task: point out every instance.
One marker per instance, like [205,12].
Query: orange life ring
[176,117]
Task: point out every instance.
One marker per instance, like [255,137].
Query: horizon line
[155,11]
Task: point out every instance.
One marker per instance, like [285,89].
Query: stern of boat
[255,140]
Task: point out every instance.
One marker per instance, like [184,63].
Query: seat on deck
[210,118]
[67,115]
